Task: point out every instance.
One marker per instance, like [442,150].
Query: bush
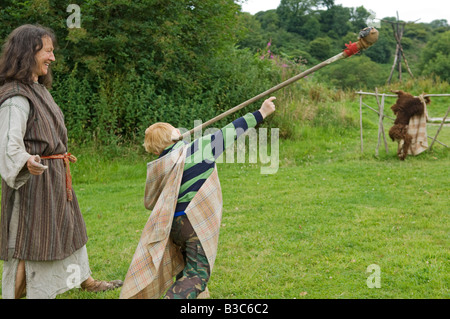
[320,48]
[356,72]
[118,107]
[74,96]
[436,57]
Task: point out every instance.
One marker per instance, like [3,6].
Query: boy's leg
[177,238]
[196,273]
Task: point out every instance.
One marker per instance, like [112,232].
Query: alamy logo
[371,20]
[374,280]
[74,20]
[258,144]
[74,279]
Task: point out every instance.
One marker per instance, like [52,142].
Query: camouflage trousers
[193,279]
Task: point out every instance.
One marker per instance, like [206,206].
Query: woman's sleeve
[13,156]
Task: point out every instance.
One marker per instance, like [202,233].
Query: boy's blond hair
[159,136]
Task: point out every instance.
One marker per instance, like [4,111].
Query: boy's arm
[225,137]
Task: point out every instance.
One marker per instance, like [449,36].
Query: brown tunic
[50,227]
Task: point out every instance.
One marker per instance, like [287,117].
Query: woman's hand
[268,107]
[34,165]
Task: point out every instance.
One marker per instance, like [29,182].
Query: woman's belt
[67,159]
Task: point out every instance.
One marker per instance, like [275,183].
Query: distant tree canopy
[436,56]
[317,29]
[308,18]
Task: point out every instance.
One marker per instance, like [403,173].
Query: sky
[408,10]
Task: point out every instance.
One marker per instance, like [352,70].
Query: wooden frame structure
[381,116]
[398,28]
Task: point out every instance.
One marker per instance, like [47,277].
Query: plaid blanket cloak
[156,259]
[417,128]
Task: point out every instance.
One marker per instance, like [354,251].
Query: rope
[67,158]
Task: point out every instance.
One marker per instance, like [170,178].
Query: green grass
[308,231]
[312,229]
[316,229]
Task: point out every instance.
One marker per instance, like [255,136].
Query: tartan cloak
[157,259]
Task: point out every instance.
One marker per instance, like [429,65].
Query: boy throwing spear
[183,191]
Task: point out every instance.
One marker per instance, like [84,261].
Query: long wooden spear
[367,37]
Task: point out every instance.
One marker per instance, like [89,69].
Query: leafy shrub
[436,57]
[354,73]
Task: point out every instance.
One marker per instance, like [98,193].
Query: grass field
[309,231]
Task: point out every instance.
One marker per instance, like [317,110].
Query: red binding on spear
[367,37]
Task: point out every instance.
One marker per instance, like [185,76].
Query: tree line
[310,31]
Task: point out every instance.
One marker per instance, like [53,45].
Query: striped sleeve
[225,137]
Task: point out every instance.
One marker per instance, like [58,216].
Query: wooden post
[393,65]
[380,122]
[406,63]
[400,35]
[440,127]
[399,40]
[382,126]
[360,122]
[398,29]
